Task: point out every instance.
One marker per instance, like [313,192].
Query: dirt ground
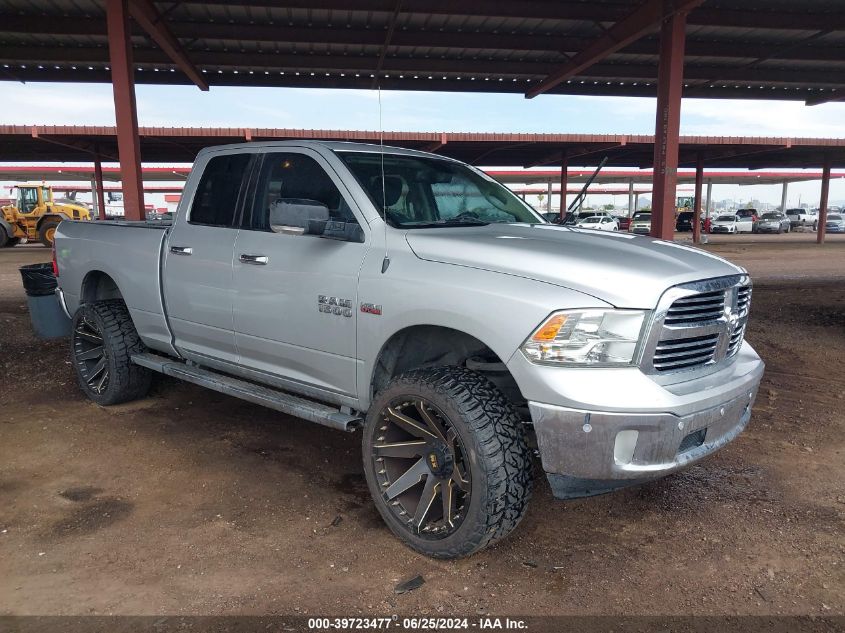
[190,502]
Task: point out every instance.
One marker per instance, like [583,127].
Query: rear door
[197,274]
[296,294]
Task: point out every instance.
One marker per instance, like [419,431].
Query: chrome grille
[698,325]
[699,308]
[743,300]
[736,338]
[684,352]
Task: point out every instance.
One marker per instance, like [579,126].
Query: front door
[295,293]
[198,262]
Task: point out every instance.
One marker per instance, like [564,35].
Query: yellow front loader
[35,215]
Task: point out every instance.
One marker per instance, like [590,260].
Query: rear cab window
[216,199]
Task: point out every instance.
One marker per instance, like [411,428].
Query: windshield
[725,218]
[421,192]
[642,217]
[834,217]
[771,216]
[591,220]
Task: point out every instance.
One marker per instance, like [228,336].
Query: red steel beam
[101,190]
[564,183]
[148,17]
[823,200]
[639,23]
[670,83]
[126,114]
[696,216]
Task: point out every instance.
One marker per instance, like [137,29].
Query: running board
[257,394]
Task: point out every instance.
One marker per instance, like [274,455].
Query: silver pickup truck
[415,298]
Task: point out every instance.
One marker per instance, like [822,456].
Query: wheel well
[98,286]
[435,346]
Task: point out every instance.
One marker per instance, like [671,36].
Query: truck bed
[89,254]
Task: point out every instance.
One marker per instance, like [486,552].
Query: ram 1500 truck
[413,297]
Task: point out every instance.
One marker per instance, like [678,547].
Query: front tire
[446,461]
[103,340]
[47,232]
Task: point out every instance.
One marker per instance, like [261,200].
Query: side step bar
[257,394]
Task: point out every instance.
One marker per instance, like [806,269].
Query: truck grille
[698,325]
[684,352]
[699,308]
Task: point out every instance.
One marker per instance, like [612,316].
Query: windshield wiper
[450,222]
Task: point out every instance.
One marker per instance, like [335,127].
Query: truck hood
[624,270]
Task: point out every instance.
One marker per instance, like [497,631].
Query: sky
[91,104]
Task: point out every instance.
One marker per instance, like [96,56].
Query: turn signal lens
[549,330]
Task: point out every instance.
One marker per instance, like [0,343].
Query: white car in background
[598,223]
[727,224]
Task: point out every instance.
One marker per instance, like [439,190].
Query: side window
[293,189]
[216,199]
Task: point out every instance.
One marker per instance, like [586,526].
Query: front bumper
[593,441]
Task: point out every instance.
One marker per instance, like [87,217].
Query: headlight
[586,337]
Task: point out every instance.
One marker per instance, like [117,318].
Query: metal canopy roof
[19,143]
[761,49]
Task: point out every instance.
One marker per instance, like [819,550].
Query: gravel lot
[190,502]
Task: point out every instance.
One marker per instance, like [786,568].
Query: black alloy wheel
[89,353]
[421,466]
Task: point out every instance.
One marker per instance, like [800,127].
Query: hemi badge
[371,308]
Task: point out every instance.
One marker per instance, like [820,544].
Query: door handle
[256,260]
[181,250]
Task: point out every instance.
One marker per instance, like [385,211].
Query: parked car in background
[575,218]
[725,224]
[801,217]
[773,223]
[835,223]
[624,223]
[599,223]
[641,223]
[746,218]
[684,221]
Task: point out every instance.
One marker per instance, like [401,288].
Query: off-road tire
[44,232]
[497,453]
[126,380]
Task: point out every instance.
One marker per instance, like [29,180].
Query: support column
[823,200]
[564,185]
[126,115]
[101,192]
[549,193]
[783,197]
[636,201]
[94,205]
[709,198]
[696,215]
[670,82]
[631,198]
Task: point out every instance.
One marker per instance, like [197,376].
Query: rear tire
[460,449]
[103,340]
[47,232]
